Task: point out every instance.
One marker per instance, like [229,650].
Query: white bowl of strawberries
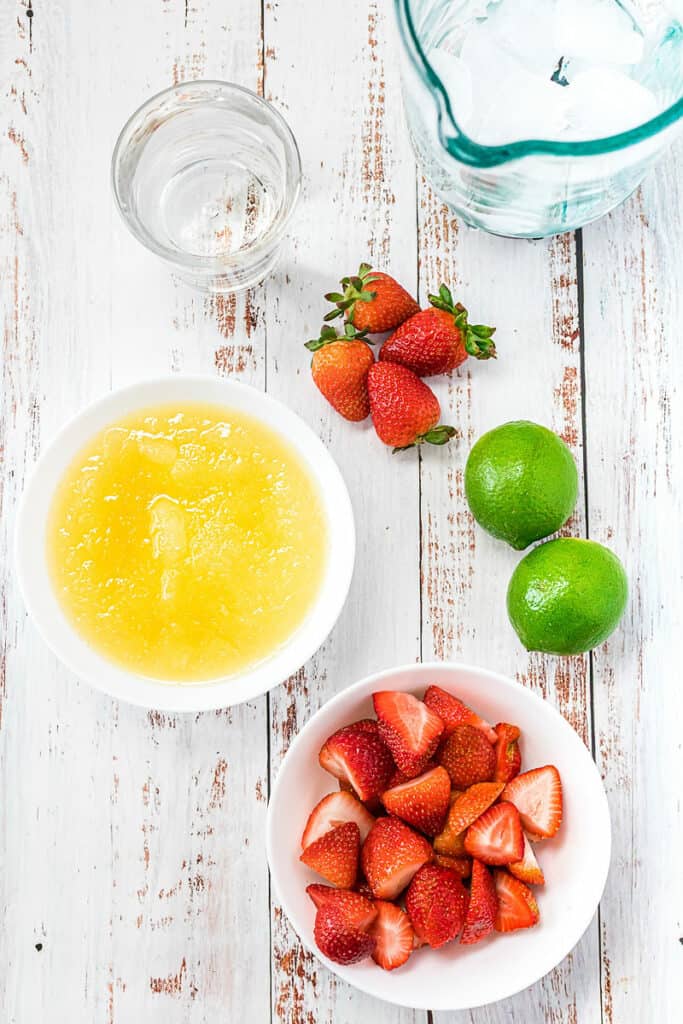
[428,840]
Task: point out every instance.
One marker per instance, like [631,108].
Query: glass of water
[206,175]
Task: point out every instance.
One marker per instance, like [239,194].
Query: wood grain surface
[133,879]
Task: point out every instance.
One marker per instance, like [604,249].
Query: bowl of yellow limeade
[185,543]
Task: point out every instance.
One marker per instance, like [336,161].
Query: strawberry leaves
[476,337]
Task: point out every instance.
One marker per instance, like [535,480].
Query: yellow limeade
[186,542]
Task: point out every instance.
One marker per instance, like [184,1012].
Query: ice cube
[157,449]
[604,102]
[597,30]
[525,29]
[167,529]
[456,79]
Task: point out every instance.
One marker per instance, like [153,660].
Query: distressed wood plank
[634,367]
[358,202]
[529,291]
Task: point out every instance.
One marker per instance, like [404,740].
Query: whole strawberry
[439,338]
[372,301]
[340,368]
[405,412]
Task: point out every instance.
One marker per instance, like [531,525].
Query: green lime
[567,596]
[521,482]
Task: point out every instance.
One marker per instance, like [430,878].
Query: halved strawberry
[335,855]
[483,906]
[496,837]
[467,807]
[341,929]
[333,810]
[468,757]
[436,902]
[357,754]
[527,869]
[461,865]
[508,757]
[354,904]
[393,935]
[409,728]
[537,795]
[422,802]
[517,907]
[453,712]
[391,855]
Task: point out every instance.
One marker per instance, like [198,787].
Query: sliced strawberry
[517,907]
[453,712]
[422,802]
[409,728]
[461,865]
[483,906]
[508,756]
[496,837]
[333,810]
[391,855]
[436,902]
[527,869]
[468,757]
[356,907]
[537,795]
[393,934]
[335,855]
[357,754]
[341,934]
[468,806]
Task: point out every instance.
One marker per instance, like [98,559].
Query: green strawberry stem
[476,337]
[355,290]
[437,435]
[328,335]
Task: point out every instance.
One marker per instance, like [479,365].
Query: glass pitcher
[480,161]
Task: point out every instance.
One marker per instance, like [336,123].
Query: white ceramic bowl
[575,862]
[76,653]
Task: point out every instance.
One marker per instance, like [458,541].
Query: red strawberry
[372,301]
[340,368]
[335,855]
[333,810]
[391,855]
[358,754]
[453,712]
[393,935]
[517,907]
[468,757]
[496,837]
[354,904]
[405,412]
[439,338]
[422,802]
[461,865]
[341,928]
[482,908]
[409,728]
[527,869]
[537,795]
[468,806]
[436,902]
[508,757]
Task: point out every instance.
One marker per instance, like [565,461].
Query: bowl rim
[366,685]
[30,559]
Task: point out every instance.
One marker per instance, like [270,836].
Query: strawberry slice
[508,756]
[341,928]
[356,907]
[537,795]
[527,869]
[333,810]
[335,855]
[422,802]
[468,757]
[436,902]
[468,806]
[482,908]
[517,907]
[461,865]
[391,855]
[357,754]
[409,728]
[453,712]
[393,934]
[496,837]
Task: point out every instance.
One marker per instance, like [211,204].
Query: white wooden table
[133,879]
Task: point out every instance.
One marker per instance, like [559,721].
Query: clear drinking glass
[626,52]
[206,175]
